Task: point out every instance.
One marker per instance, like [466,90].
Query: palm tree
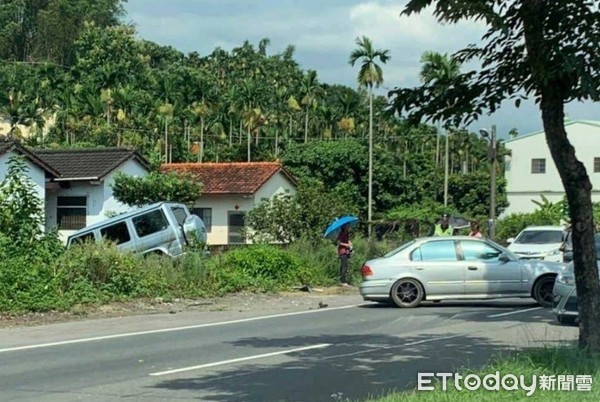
[439,70]
[369,75]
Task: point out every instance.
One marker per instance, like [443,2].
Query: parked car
[163,228]
[539,243]
[457,267]
[565,293]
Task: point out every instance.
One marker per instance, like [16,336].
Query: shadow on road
[358,366]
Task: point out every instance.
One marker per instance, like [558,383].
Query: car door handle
[473,268]
[420,268]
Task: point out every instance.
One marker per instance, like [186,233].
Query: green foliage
[306,214]
[22,211]
[470,193]
[156,187]
[261,268]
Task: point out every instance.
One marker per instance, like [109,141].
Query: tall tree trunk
[241,131]
[579,196]
[201,140]
[370,206]
[249,144]
[166,140]
[306,127]
[573,176]
[230,133]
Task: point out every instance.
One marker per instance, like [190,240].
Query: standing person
[444,228]
[344,251]
[475,230]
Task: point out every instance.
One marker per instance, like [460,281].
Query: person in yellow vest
[444,228]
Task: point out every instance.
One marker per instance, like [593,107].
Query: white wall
[111,205]
[523,186]
[221,205]
[36,174]
[275,185]
[100,199]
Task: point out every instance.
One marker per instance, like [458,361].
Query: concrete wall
[36,174]
[221,205]
[523,185]
[100,199]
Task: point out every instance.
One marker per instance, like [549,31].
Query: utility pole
[491,137]
[370,161]
[492,231]
[446,163]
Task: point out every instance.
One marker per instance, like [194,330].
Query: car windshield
[540,237]
[397,250]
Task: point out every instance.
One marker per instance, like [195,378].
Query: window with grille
[596,165]
[538,166]
[206,215]
[71,212]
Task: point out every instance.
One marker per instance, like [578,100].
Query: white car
[539,243]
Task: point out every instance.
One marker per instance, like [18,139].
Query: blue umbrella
[333,230]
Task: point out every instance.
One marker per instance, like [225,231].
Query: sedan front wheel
[407,293]
[543,291]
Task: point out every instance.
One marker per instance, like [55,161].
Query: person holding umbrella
[344,252]
[339,231]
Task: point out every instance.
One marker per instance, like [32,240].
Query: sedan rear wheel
[543,291]
[407,293]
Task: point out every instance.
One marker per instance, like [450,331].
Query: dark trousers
[344,268]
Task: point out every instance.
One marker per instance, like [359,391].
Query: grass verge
[563,365]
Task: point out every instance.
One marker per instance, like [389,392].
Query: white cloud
[323,32]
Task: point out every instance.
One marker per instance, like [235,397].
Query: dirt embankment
[242,302]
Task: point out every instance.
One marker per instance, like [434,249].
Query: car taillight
[366,270]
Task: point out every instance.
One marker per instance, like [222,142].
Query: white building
[230,190]
[531,172]
[75,184]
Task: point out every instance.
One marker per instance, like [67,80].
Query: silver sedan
[457,267]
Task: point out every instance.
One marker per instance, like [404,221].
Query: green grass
[539,362]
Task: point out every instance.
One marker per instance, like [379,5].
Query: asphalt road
[349,347]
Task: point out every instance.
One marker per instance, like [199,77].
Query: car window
[436,251]
[118,233]
[180,214]
[150,223]
[479,251]
[85,238]
[540,237]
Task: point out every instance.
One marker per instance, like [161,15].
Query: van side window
[119,233]
[86,238]
[150,223]
[180,214]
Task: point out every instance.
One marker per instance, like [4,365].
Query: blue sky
[323,32]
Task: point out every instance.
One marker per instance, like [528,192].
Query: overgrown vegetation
[38,274]
[156,187]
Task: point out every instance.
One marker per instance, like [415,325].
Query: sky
[324,34]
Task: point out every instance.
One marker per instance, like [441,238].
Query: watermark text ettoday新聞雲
[507,382]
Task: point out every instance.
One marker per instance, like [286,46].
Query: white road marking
[514,312]
[241,359]
[441,338]
[157,331]
[377,349]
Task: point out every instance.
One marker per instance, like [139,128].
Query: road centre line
[514,312]
[157,331]
[241,359]
[376,349]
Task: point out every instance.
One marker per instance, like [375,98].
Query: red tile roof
[230,178]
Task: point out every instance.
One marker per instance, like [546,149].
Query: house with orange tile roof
[230,190]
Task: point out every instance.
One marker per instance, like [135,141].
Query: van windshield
[540,237]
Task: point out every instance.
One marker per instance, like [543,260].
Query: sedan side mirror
[511,240]
[503,258]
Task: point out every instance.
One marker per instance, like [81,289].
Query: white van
[539,243]
[162,228]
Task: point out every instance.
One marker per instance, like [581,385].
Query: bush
[260,268]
